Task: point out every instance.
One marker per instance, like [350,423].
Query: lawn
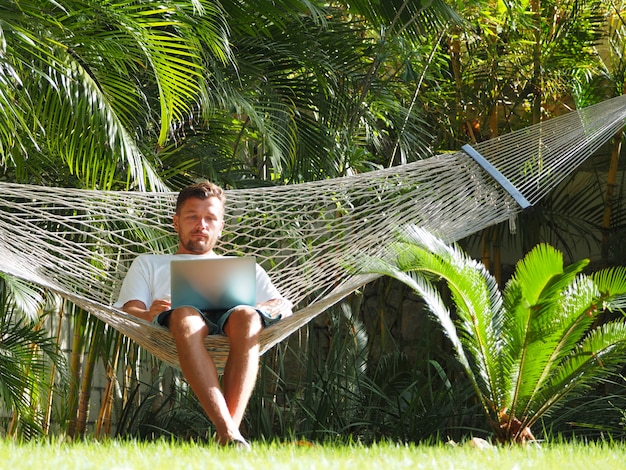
[170,455]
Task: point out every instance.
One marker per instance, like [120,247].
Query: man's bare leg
[243,329]
[189,331]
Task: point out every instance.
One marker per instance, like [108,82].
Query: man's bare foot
[240,444]
[235,439]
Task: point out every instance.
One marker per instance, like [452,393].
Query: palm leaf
[598,356]
[83,108]
[26,355]
[404,16]
[538,336]
[611,283]
[571,320]
[92,67]
[484,307]
[419,282]
[476,297]
[300,95]
[536,270]
[26,298]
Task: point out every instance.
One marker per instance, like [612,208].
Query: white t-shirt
[148,279]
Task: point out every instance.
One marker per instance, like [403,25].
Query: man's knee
[244,321]
[185,319]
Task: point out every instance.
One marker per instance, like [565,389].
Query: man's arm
[138,309]
[276,307]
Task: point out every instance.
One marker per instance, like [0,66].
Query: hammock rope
[79,243]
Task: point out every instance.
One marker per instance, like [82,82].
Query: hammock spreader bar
[499,177]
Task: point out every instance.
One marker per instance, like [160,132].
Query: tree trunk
[49,400]
[611,182]
[536,80]
[103,425]
[78,344]
[97,332]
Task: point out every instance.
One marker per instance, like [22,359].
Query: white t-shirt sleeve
[147,279]
[136,285]
[265,290]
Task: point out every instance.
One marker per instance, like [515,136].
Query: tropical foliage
[28,358]
[151,95]
[89,85]
[531,347]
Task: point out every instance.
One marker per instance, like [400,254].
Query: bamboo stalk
[12,429]
[75,371]
[103,424]
[49,399]
[611,183]
[97,332]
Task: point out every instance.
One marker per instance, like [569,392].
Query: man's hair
[202,190]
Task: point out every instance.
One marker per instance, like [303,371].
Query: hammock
[79,243]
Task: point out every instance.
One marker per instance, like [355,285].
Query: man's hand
[160,305]
[276,307]
[138,308]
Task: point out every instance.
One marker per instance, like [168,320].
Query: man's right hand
[160,305]
[139,310]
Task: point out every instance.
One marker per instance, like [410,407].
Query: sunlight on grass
[121,455]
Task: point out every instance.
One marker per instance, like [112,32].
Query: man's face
[199,224]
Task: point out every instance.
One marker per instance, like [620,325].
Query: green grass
[172,455]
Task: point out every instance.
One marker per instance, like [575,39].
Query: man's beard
[197,246]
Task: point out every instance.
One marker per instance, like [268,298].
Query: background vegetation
[152,95]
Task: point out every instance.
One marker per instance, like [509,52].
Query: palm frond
[12,120]
[417,281]
[419,258]
[26,298]
[101,70]
[598,356]
[82,107]
[550,341]
[611,283]
[536,270]
[536,335]
[405,16]
[25,360]
[463,274]
[297,93]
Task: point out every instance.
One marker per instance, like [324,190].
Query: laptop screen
[218,283]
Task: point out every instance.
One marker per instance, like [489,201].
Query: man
[145,293]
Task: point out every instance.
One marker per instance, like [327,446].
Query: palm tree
[96,86]
[316,91]
[528,348]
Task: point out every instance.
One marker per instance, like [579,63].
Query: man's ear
[175,222]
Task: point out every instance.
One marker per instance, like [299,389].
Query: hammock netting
[79,243]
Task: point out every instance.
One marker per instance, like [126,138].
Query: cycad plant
[528,348]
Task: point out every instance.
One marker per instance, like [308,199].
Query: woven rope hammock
[79,243]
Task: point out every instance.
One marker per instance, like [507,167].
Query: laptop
[214,283]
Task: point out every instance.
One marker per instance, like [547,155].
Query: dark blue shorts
[214,319]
